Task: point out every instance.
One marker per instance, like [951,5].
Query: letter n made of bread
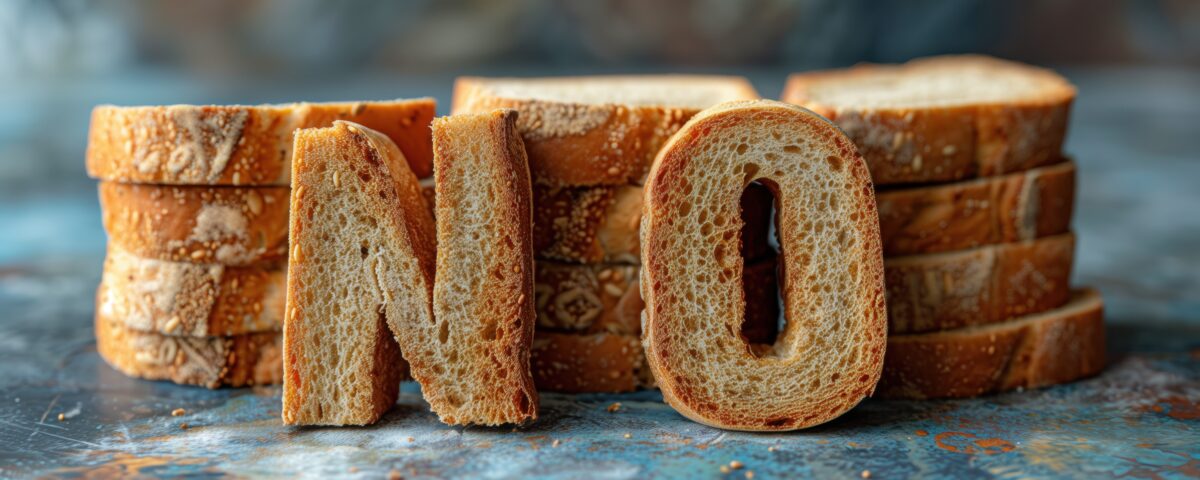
[830,354]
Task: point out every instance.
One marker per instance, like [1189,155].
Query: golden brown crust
[1009,208]
[983,285]
[581,144]
[594,363]
[198,224]
[236,145]
[946,143]
[1043,349]
[187,299]
[235,361]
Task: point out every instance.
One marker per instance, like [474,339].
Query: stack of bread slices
[195,202]
[975,199]
[591,142]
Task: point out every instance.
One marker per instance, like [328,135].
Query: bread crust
[234,361]
[588,144]
[198,224]
[979,286]
[187,299]
[1047,348]
[671,323]
[1009,208]
[947,143]
[591,363]
[237,144]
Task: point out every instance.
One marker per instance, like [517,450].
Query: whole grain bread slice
[188,299]
[588,363]
[236,144]
[1038,350]
[956,216]
[361,260]
[989,284]
[603,130]
[199,224]
[943,118]
[829,355]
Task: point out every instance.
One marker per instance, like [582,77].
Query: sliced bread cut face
[236,144]
[943,118]
[1047,348]
[829,355]
[473,363]
[361,260]
[604,130]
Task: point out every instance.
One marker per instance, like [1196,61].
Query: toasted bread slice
[236,145]
[989,284]
[362,257]
[592,363]
[943,118]
[1034,351]
[830,353]
[587,131]
[234,361]
[1008,208]
[180,298]
[200,224]
[473,363]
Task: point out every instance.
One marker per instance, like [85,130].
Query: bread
[234,361]
[188,299]
[830,353]
[200,224]
[600,224]
[589,131]
[592,363]
[361,264]
[1034,351]
[236,145]
[942,291]
[473,363]
[943,118]
[956,216]
[604,298]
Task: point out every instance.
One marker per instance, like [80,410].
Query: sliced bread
[1034,351]
[236,145]
[829,355]
[943,118]
[989,284]
[591,363]
[200,224]
[361,260]
[586,131]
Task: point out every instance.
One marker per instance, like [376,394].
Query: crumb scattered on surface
[749,474]
[394,475]
[555,443]
[178,412]
[183,426]
[628,435]
[614,407]
[353,469]
[866,474]
[724,468]
[772,448]
[411,439]
[735,465]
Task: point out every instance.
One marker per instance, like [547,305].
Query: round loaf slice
[234,361]
[1008,208]
[188,299]
[593,363]
[1047,348]
[199,224]
[989,284]
[829,355]
[586,131]
[237,144]
[943,118]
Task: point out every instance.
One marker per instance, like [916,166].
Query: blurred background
[1136,63]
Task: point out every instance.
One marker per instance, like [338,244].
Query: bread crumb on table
[866,474]
[614,407]
[555,443]
[735,465]
[394,475]
[61,417]
[183,426]
[749,474]
[725,469]
[178,412]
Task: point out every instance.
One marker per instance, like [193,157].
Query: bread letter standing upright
[829,355]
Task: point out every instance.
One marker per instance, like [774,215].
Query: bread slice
[989,284]
[473,363]
[237,144]
[188,299]
[199,224]
[591,363]
[830,353]
[1008,208]
[1034,351]
[362,257]
[943,118]
[233,361]
[587,131]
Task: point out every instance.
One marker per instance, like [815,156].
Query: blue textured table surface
[1134,134]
